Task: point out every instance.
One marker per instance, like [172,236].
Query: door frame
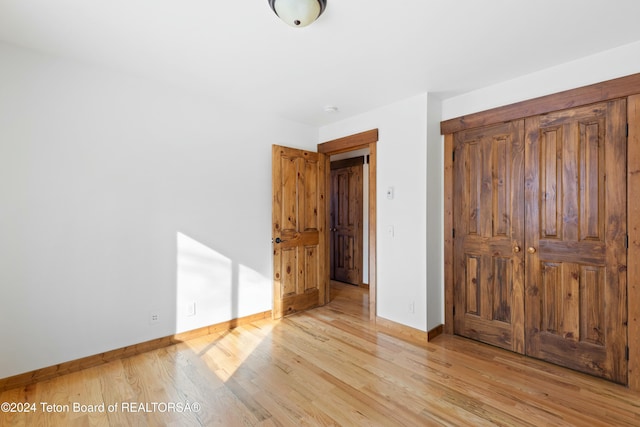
[623,87]
[367,139]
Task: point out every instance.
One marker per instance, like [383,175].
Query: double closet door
[540,237]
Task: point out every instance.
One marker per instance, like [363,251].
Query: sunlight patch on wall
[212,288]
[204,285]
[254,291]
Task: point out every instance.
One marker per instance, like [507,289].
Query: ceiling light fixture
[298,13]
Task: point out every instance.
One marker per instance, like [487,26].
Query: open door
[346,220]
[300,249]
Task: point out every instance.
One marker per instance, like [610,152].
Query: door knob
[278,240]
[531,250]
[516,249]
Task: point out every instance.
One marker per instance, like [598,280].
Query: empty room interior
[310,212]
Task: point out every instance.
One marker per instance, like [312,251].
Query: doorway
[349,216]
[349,144]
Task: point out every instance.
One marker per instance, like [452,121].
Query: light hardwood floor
[328,366]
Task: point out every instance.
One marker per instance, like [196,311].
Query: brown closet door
[346,220]
[575,208]
[488,221]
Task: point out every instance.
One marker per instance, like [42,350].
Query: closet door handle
[516,249]
[531,250]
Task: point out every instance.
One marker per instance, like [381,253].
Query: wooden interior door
[346,220]
[575,237]
[300,251]
[488,235]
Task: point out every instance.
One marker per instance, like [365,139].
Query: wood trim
[633,253]
[448,237]
[367,139]
[604,91]
[219,327]
[401,331]
[276,207]
[373,242]
[22,380]
[325,230]
[435,332]
[349,143]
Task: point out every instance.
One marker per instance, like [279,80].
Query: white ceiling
[360,54]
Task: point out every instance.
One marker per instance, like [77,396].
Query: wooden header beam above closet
[611,89]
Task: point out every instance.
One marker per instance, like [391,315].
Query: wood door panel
[502,292]
[567,291]
[311,268]
[346,220]
[295,303]
[565,251]
[586,357]
[488,219]
[311,181]
[501,200]
[472,281]
[488,287]
[299,209]
[295,239]
[288,272]
[575,230]
[550,182]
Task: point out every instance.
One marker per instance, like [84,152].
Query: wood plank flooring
[328,366]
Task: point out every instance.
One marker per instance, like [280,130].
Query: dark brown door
[575,237]
[488,221]
[346,220]
[300,253]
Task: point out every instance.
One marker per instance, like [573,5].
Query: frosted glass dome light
[298,13]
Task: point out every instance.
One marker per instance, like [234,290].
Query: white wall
[119,198]
[435,215]
[402,164]
[607,65]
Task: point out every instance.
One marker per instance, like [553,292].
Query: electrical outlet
[191,309]
[154,317]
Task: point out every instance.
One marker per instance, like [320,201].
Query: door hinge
[627,130]
[453,233]
[626,352]
[626,241]
[453,156]
[454,310]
